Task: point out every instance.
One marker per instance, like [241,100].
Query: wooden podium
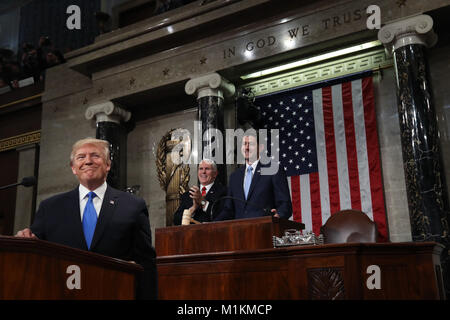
[36,269]
[235,260]
[231,235]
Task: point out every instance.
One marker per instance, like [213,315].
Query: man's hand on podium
[26,233]
[275,214]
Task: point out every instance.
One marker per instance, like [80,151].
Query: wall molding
[372,60]
[20,140]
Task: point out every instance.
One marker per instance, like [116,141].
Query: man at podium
[96,217]
[251,193]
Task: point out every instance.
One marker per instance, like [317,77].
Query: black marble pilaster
[427,199]
[424,175]
[210,113]
[116,135]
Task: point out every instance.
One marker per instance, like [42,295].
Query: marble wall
[391,157]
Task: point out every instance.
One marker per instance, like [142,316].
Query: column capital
[107,111]
[413,30]
[212,84]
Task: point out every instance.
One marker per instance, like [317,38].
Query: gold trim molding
[21,100]
[373,60]
[20,140]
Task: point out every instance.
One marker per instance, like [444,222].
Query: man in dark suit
[252,191]
[197,202]
[97,217]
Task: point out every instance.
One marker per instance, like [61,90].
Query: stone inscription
[297,33]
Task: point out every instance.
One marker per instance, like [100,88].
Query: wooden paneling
[36,269]
[234,260]
[9,162]
[245,234]
[19,122]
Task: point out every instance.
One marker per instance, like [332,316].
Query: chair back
[349,226]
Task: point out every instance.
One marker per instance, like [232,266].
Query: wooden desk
[333,271]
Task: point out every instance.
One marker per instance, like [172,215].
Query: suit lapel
[241,182]
[211,193]
[255,179]
[106,212]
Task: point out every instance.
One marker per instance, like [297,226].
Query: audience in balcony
[33,62]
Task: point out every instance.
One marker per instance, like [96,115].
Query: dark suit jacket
[266,192]
[217,191]
[122,230]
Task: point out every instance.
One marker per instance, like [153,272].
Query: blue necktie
[248,181]
[89,220]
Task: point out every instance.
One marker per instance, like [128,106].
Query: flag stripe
[296,204]
[361,147]
[333,182]
[314,186]
[376,185]
[305,198]
[341,148]
[321,155]
[352,157]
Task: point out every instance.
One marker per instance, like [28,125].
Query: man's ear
[261,147]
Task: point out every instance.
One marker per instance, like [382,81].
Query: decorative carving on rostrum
[173,175]
[325,284]
[210,85]
[107,111]
[414,30]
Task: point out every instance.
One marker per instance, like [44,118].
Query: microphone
[26,182]
[267,211]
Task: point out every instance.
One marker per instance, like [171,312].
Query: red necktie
[203,191]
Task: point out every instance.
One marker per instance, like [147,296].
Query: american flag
[328,146]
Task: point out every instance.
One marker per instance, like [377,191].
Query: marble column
[408,41]
[109,118]
[211,89]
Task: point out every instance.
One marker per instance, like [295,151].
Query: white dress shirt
[98,200]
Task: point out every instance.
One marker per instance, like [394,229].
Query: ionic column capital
[212,84]
[413,30]
[107,111]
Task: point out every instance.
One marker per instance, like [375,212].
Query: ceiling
[7,5]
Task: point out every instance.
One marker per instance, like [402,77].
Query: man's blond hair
[103,145]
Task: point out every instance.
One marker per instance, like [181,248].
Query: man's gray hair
[210,162]
[103,145]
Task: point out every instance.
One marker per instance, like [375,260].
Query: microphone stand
[10,185]
[27,182]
